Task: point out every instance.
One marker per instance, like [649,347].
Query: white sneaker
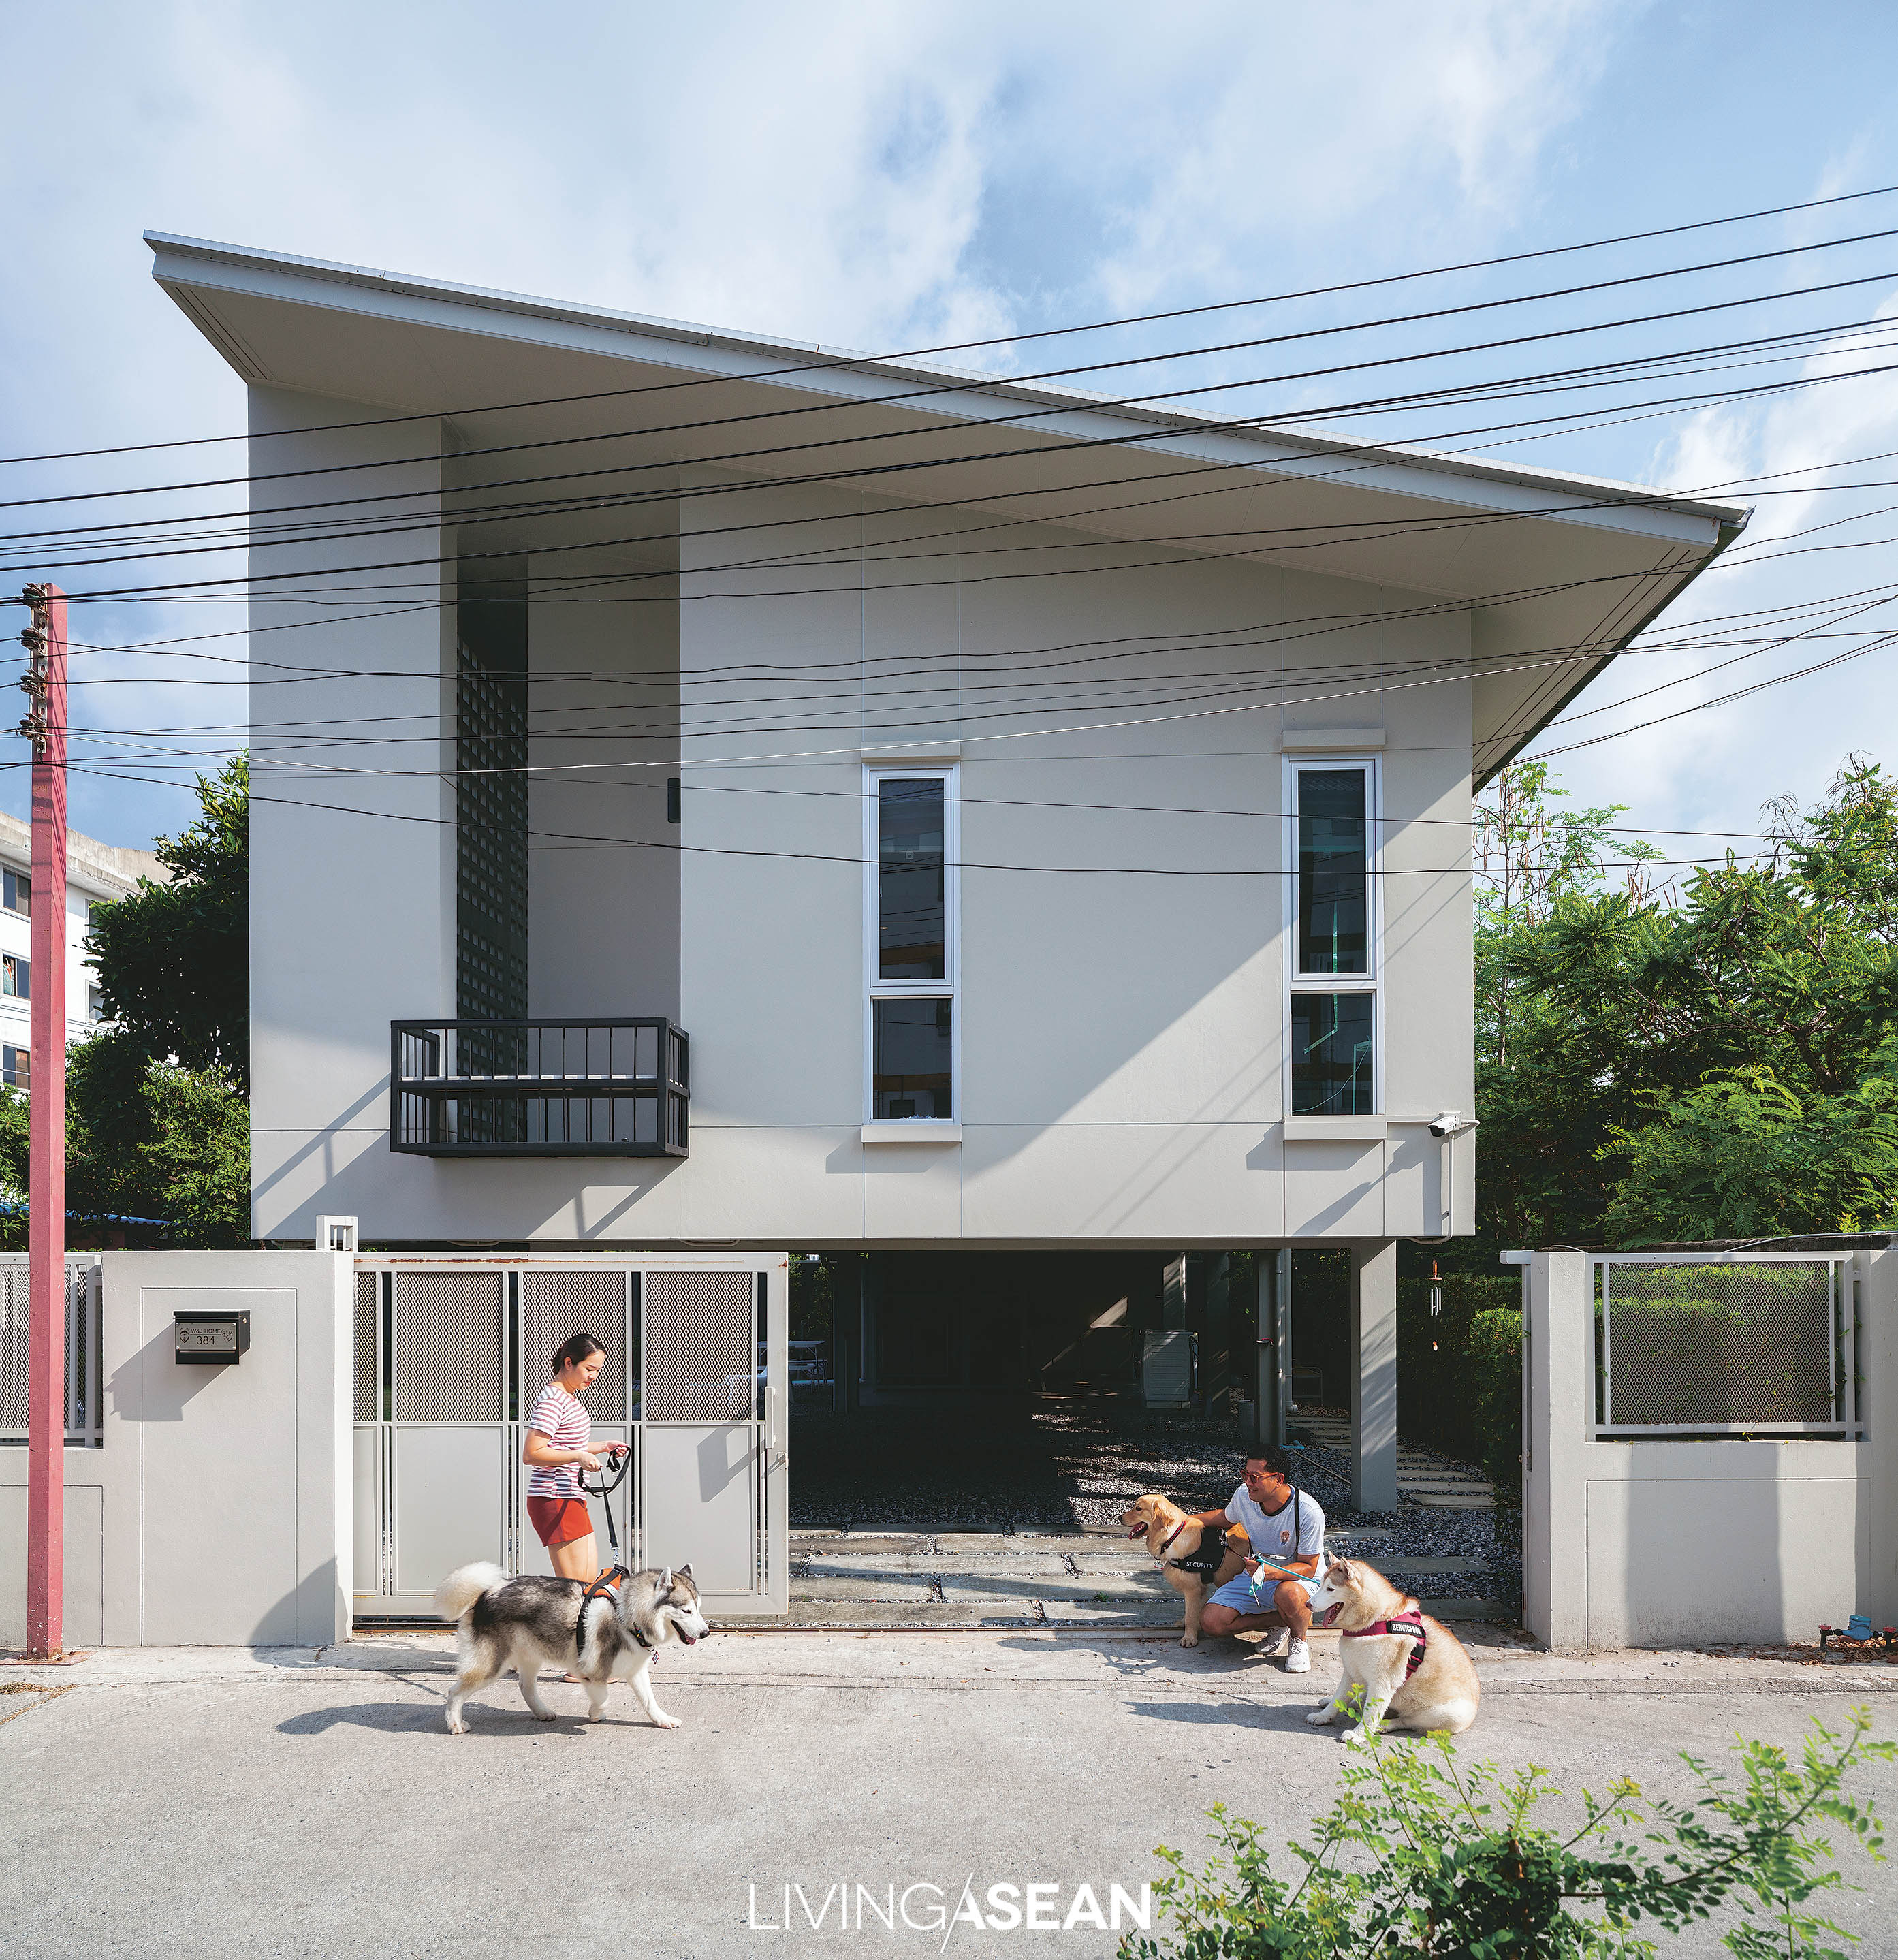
[1298,1660]
[1272,1647]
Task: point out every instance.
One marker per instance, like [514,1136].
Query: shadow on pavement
[1278,1717]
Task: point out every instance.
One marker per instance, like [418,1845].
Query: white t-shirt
[1271,1531]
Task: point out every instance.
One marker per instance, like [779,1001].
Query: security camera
[1452,1123]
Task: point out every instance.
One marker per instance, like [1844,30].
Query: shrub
[1425,1855]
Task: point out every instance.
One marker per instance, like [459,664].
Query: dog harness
[1203,1563]
[1406,1626]
[607,1586]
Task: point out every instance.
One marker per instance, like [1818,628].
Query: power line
[963,386]
[1002,340]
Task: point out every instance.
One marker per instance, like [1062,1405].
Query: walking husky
[529,1624]
[1406,1662]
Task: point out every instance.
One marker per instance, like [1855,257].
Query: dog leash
[607,1586]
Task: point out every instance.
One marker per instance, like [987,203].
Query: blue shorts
[1239,1593]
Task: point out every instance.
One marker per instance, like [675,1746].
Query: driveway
[208,1803]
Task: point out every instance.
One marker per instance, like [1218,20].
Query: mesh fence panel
[368,1286]
[555,1306]
[698,1361]
[82,1362]
[14,1339]
[1748,1343]
[448,1348]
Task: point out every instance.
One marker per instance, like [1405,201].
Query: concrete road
[208,1803]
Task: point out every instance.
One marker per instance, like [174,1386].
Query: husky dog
[529,1624]
[1406,1662]
[1195,1562]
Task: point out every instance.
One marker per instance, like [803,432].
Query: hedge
[1460,1373]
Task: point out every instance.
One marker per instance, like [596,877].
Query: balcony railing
[518,1088]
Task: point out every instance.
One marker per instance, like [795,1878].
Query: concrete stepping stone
[1443,1501]
[889,1590]
[854,1544]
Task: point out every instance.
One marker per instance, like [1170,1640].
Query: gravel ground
[1058,1463]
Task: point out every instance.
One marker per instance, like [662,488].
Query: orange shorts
[560,1520]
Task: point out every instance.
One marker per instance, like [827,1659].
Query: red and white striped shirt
[560,1417]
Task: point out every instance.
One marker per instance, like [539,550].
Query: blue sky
[883,177]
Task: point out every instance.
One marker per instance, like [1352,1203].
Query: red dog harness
[1406,1626]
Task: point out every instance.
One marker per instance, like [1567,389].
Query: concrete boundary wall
[1665,1542]
[217,1511]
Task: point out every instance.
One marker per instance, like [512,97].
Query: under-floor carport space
[1007,1514]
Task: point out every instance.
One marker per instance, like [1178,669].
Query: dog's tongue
[1331,1612]
[1139,1530]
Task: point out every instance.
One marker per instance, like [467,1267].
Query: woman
[556,1449]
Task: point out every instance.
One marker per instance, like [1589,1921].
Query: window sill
[913,1130]
[1336,1129]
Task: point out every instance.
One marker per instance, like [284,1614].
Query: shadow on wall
[151,1387]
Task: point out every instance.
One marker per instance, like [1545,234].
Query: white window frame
[1371,980]
[918,1128]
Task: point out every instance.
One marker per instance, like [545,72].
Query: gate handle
[770,1424]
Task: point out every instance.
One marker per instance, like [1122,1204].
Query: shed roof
[1558,571]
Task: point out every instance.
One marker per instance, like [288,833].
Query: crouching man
[1273,1594]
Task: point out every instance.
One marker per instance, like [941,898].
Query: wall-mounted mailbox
[208,1338]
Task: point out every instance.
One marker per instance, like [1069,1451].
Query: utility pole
[45,726]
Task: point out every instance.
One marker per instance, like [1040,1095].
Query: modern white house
[96,874]
[713,791]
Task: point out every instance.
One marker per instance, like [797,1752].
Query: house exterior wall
[1666,1543]
[352,916]
[216,1510]
[1123,1035]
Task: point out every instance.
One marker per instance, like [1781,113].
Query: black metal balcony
[539,1089]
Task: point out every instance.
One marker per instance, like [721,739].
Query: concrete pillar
[1374,1375]
[1558,1412]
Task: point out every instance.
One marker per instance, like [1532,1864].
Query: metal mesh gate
[449,1359]
[555,1306]
[448,1348]
[1687,1346]
[700,1363]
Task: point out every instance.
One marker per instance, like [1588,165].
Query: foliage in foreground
[1424,1855]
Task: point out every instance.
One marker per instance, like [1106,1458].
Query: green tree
[1712,1063]
[1539,1176]
[173,960]
[157,1121]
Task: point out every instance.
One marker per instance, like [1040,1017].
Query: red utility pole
[45,726]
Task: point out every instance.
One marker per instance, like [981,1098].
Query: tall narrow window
[17,895]
[1333,921]
[1333,1027]
[16,976]
[912,976]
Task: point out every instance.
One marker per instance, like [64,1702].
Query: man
[1286,1527]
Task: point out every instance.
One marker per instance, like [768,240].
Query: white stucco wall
[217,1510]
[1659,1543]
[1123,1035]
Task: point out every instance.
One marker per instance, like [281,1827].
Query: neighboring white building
[96,874]
[1069,847]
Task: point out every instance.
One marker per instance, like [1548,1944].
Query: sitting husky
[1406,1662]
[529,1624]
